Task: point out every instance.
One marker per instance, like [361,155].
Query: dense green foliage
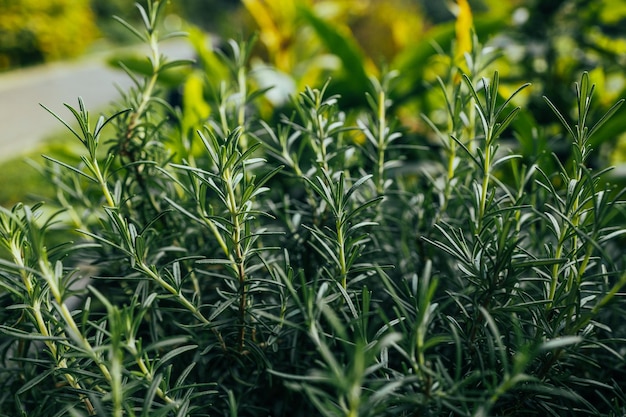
[34,31]
[245,256]
[38,31]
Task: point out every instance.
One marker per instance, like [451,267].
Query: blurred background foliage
[205,14]
[550,44]
[34,31]
[37,31]
[306,42]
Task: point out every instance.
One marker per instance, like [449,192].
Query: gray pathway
[24,123]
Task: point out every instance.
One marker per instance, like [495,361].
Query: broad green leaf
[344,47]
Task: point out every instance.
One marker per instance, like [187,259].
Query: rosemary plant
[317,259]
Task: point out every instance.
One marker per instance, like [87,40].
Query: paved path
[24,123]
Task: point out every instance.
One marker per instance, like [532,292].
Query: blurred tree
[34,31]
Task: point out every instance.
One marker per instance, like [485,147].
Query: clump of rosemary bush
[325,262]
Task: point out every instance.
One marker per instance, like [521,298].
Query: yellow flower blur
[463,27]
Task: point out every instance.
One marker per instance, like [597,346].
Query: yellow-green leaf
[464,27]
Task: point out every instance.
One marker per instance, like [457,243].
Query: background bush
[34,31]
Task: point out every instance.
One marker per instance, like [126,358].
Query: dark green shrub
[33,31]
[286,267]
